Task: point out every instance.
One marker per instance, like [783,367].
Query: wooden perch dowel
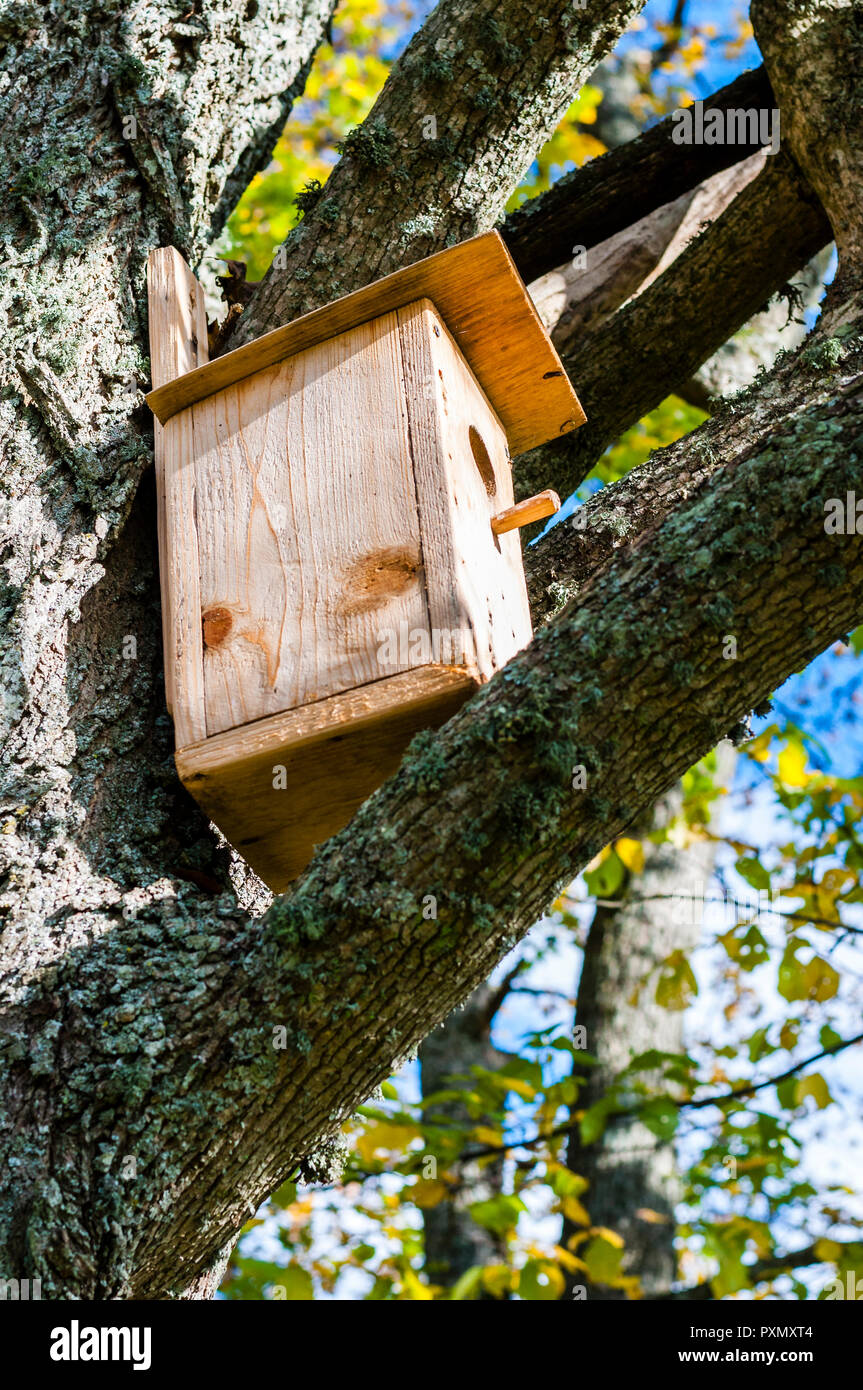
[531,509]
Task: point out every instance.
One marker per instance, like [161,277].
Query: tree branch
[609,194]
[481,815]
[769,1268]
[812,56]
[151,1106]
[575,299]
[680,320]
[718,1098]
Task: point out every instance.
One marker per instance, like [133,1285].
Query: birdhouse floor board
[282,785]
[480,295]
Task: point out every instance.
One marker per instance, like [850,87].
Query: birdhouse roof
[480,296]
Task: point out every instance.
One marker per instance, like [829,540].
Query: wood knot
[378,577]
[217,624]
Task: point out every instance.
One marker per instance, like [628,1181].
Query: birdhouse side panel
[308,533]
[475,580]
[178,344]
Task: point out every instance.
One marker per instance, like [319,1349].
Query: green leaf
[815,980]
[676,986]
[467,1285]
[593,1121]
[753,871]
[499,1214]
[565,1183]
[603,1259]
[814,1086]
[661,1116]
[758,1045]
[540,1281]
[604,881]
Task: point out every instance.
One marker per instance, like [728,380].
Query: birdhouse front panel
[308,539]
[339,561]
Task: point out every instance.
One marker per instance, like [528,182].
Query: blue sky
[724,15]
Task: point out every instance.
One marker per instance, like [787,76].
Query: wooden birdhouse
[339,550]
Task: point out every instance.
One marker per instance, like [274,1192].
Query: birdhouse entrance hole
[482,460]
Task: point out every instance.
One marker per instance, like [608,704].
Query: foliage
[346,77]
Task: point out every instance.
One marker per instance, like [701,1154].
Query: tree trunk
[454,1241]
[632,1173]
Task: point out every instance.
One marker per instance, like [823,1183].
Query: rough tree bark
[122,131]
[707,293]
[148,1112]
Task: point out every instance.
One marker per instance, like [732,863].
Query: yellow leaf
[632,854]
[522,1088]
[653,1218]
[577,1239]
[412,1288]
[827,1249]
[814,1086]
[676,986]
[385,1138]
[484,1134]
[498,1279]
[822,981]
[792,765]
[611,1236]
[570,1262]
[574,1211]
[428,1192]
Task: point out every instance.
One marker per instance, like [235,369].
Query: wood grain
[488,311]
[308,532]
[280,786]
[475,581]
[178,344]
